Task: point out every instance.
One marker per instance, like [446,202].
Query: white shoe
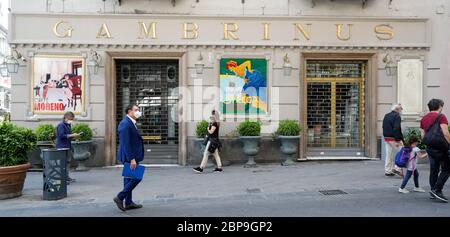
[420,190]
[403,190]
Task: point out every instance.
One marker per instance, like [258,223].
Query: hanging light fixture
[94,62]
[4,69]
[12,61]
[12,65]
[287,67]
[390,67]
[199,64]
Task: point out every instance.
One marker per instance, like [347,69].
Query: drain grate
[164,196]
[259,171]
[332,192]
[253,190]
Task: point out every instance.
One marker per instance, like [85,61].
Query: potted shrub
[45,136]
[250,135]
[201,131]
[15,143]
[415,131]
[83,145]
[289,133]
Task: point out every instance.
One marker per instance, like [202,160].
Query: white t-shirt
[413,159]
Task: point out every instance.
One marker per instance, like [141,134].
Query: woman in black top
[212,145]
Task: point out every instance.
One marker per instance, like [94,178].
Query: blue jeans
[128,186]
[408,176]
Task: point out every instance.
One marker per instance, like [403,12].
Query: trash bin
[55,173]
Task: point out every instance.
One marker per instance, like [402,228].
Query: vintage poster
[58,84]
[243,86]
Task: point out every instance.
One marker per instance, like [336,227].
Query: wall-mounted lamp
[12,61]
[4,69]
[94,62]
[199,64]
[287,67]
[390,67]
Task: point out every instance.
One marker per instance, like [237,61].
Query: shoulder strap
[412,160]
[436,121]
[438,118]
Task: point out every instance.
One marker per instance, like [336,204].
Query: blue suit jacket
[63,130]
[130,142]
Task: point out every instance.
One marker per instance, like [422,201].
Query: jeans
[128,186]
[408,176]
[439,169]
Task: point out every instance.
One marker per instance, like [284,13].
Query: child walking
[412,165]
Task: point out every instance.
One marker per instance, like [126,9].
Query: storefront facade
[327,72]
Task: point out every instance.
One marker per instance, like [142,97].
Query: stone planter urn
[35,156]
[250,148]
[12,179]
[199,142]
[81,153]
[289,147]
[44,145]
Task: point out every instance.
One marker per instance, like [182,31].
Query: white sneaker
[420,190]
[403,190]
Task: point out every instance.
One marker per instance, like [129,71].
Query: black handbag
[205,140]
[434,138]
[214,144]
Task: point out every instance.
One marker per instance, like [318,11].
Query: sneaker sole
[118,206]
[198,172]
[431,195]
[437,197]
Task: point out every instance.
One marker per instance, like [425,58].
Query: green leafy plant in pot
[250,136]
[45,135]
[201,131]
[289,133]
[15,143]
[416,132]
[83,145]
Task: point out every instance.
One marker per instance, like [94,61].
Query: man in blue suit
[131,150]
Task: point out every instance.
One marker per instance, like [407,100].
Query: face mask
[137,114]
[69,121]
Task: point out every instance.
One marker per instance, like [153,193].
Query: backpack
[434,138]
[402,157]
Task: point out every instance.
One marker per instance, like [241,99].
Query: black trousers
[439,168]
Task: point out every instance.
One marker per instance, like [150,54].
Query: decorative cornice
[222,46]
